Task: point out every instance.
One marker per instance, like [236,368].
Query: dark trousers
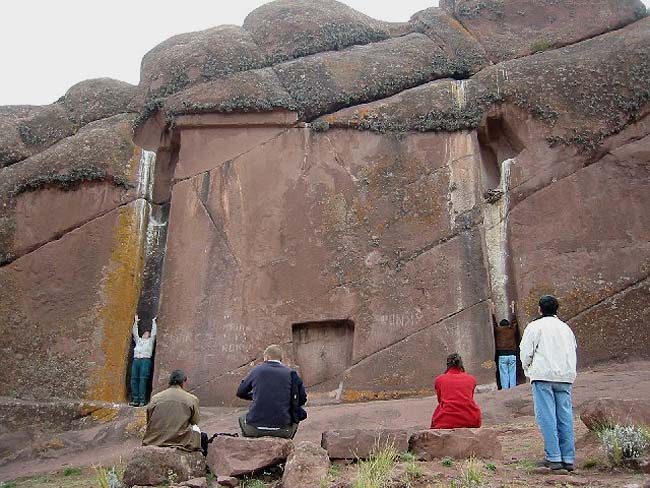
[140,374]
[249,430]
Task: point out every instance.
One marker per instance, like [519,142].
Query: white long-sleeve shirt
[548,351]
[144,347]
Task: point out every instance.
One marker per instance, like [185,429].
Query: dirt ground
[509,412]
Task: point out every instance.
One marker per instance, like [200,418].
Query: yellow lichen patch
[367,395]
[105,414]
[121,290]
[136,428]
[54,443]
[488,364]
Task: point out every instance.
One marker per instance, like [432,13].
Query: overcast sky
[49,45]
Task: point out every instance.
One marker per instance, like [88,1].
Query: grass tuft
[622,443]
[70,471]
[447,462]
[376,471]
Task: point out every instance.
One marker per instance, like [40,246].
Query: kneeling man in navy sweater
[277,394]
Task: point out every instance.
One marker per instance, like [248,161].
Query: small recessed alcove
[322,350]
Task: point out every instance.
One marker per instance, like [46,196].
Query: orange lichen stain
[105,414]
[488,364]
[136,427]
[121,289]
[352,396]
[54,443]
[330,119]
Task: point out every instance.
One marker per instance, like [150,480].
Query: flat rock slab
[307,465]
[152,466]
[455,443]
[195,483]
[236,456]
[229,481]
[603,412]
[360,444]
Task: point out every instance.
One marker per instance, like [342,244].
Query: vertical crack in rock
[153,219]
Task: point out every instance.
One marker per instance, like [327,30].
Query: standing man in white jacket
[548,355]
[142,364]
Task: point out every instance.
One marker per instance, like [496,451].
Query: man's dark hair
[455,361]
[548,305]
[504,323]
[177,378]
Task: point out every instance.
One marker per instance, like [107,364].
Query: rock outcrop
[154,466]
[361,444]
[427,445]
[359,191]
[307,465]
[608,412]
[234,456]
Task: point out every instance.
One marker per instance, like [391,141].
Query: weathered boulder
[360,444]
[462,49]
[249,91]
[195,483]
[427,445]
[229,481]
[235,456]
[606,412]
[325,82]
[196,57]
[97,99]
[27,130]
[513,28]
[292,29]
[151,466]
[307,465]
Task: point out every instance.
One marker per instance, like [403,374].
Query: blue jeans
[554,415]
[140,374]
[508,371]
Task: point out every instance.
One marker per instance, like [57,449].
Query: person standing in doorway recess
[506,341]
[142,365]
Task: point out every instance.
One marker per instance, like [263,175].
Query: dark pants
[249,430]
[140,374]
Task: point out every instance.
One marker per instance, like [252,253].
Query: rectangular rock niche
[322,350]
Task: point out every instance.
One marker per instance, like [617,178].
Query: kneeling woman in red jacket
[455,390]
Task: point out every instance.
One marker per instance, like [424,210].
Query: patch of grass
[447,462]
[413,470]
[70,471]
[253,483]
[526,465]
[592,463]
[333,472]
[491,467]
[376,471]
[109,477]
[621,443]
[541,46]
[8,484]
[471,474]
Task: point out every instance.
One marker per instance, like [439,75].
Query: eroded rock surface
[235,456]
[153,466]
[432,444]
[361,444]
[307,465]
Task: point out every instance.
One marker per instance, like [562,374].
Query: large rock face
[358,191]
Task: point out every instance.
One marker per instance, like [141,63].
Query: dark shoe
[142,404]
[552,465]
[133,404]
[568,466]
